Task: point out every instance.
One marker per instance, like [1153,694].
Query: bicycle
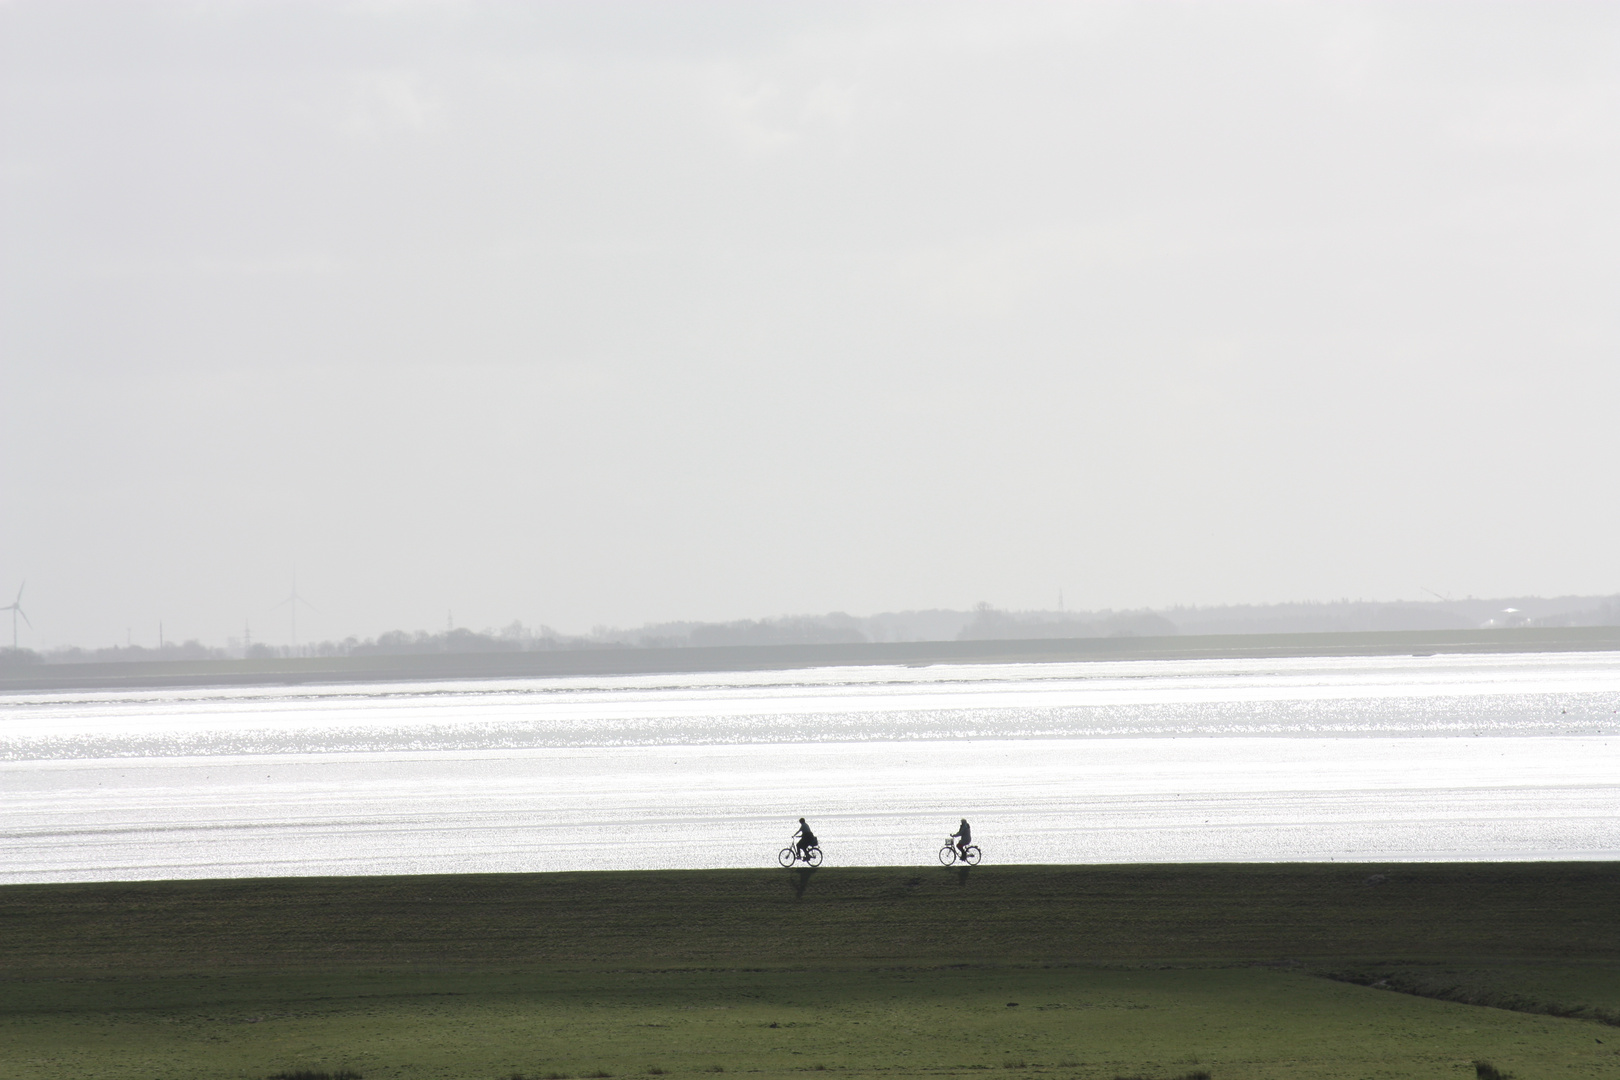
[790,855]
[948,854]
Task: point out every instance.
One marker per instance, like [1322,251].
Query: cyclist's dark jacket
[965,832]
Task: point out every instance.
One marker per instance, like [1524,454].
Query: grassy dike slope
[1156,971]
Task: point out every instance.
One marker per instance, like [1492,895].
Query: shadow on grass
[801,880]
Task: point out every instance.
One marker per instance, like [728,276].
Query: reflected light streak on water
[1369,759]
[1548,694]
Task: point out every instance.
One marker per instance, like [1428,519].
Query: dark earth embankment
[1026,914]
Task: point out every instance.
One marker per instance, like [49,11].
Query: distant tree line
[983,622]
[991,624]
[73,654]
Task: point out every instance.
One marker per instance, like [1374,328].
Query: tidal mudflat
[1363,758]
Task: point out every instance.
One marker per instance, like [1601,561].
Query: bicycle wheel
[947,854]
[973,855]
[785,856]
[813,856]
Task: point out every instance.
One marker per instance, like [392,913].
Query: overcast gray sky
[603,313]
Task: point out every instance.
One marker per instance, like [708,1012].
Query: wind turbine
[15,607]
[294,599]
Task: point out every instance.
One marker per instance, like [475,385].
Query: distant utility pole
[160,635]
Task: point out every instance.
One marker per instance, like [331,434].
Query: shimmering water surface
[1367,759]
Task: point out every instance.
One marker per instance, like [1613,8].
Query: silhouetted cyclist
[807,839]
[966,833]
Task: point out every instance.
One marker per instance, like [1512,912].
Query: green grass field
[1163,972]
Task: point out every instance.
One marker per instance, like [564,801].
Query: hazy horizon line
[981,621]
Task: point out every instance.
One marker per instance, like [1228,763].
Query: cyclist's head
[801,821]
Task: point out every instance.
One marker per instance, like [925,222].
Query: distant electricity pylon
[15,607]
[293,600]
